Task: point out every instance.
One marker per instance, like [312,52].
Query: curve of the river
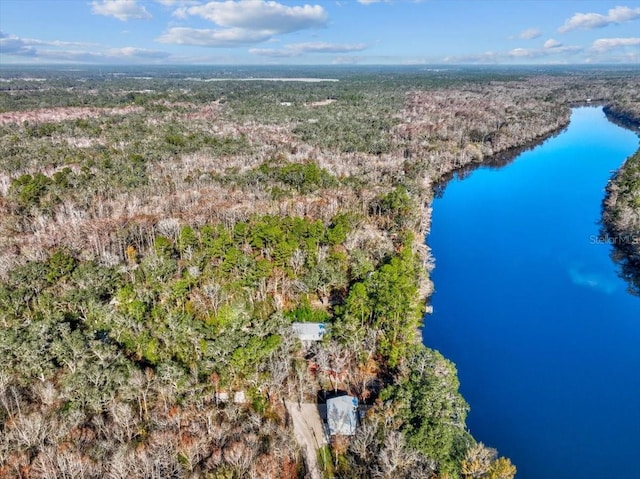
[529,305]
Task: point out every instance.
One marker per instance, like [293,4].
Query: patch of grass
[325,461]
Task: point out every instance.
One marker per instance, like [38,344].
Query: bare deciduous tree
[477,461]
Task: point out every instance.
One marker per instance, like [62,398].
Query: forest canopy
[160,236]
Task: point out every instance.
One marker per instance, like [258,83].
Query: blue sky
[319,32]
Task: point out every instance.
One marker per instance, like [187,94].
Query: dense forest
[621,212]
[161,230]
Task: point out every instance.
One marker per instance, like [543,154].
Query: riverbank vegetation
[621,218]
[159,235]
[621,206]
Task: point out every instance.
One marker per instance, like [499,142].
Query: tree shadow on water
[628,267]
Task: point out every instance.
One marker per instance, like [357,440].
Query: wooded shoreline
[621,205]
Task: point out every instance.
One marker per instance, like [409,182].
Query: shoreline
[625,253]
[621,118]
[497,160]
[461,313]
[623,235]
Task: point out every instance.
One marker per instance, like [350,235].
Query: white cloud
[57,50]
[480,58]
[121,9]
[588,21]
[121,55]
[132,52]
[552,51]
[177,3]
[551,47]
[274,53]
[261,15]
[12,45]
[114,55]
[297,49]
[530,34]
[552,43]
[323,47]
[243,22]
[606,44]
[521,52]
[229,37]
[181,13]
[16,46]
[597,281]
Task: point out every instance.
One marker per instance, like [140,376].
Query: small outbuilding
[342,415]
[238,397]
[309,332]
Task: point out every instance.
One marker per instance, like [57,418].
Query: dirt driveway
[309,432]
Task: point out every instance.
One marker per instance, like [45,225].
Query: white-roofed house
[309,332]
[342,415]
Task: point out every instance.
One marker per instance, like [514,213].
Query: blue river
[529,305]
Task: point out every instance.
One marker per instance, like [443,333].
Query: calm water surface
[529,306]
